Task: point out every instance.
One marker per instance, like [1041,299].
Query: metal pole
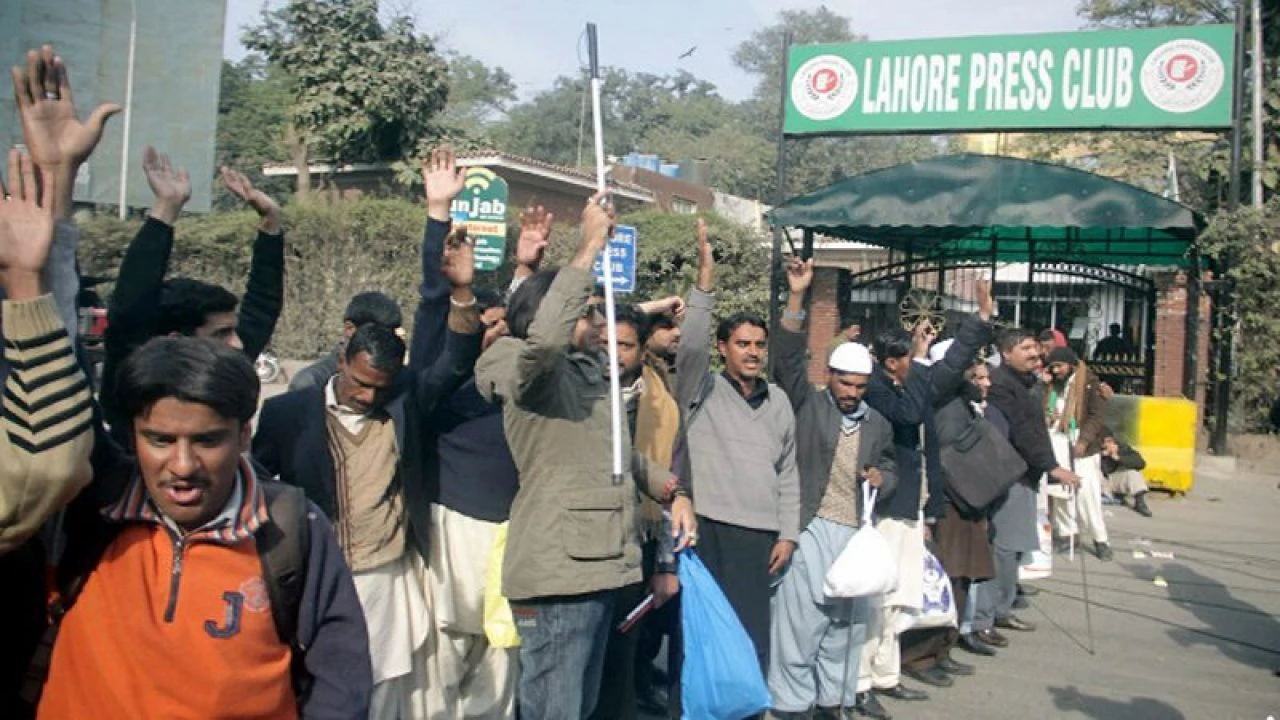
[1225,303]
[128,112]
[1259,85]
[1191,369]
[606,264]
[780,192]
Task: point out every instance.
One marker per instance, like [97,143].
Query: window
[682,206]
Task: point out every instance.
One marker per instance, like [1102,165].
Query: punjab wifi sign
[482,208]
[1176,77]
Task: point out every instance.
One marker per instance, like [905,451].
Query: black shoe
[1103,551]
[951,667]
[933,676]
[901,692]
[1028,590]
[867,705]
[972,643]
[1014,623]
[1021,603]
[1140,505]
[993,638]
[784,715]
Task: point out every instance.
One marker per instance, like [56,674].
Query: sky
[538,40]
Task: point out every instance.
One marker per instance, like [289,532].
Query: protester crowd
[430,524]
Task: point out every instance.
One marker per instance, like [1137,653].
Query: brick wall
[824,320]
[1171,337]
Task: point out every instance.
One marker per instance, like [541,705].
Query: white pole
[1259,84]
[606,263]
[128,112]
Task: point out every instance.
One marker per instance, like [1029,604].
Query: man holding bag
[841,442]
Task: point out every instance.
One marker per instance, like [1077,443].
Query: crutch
[1073,499]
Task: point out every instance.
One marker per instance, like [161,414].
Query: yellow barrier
[1164,431]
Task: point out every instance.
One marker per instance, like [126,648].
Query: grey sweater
[744,459]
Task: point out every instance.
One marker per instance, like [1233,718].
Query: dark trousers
[922,649]
[996,598]
[617,687]
[22,605]
[562,647]
[738,558]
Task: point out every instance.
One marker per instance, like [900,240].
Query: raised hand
[922,338]
[55,137]
[597,226]
[172,188]
[238,184]
[26,226]
[986,302]
[443,180]
[459,263]
[800,275]
[673,304]
[706,259]
[535,232]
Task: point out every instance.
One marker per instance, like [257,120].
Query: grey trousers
[817,641]
[995,597]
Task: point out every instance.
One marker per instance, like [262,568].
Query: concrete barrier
[1162,429]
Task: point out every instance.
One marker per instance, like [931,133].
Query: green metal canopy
[998,208]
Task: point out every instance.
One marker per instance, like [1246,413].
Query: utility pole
[1259,87]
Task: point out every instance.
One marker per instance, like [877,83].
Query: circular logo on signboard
[824,87]
[1182,76]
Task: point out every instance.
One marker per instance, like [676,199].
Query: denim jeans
[562,646]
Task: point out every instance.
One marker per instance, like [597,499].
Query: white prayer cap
[851,357]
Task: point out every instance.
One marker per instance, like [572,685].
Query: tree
[1142,157]
[761,54]
[252,107]
[1250,237]
[479,95]
[667,262]
[363,91]
[812,162]
[635,107]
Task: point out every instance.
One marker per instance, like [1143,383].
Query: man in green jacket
[573,539]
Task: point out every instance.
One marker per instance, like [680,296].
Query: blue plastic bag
[721,678]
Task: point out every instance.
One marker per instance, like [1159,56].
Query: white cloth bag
[867,565]
[938,606]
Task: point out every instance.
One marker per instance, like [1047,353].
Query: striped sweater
[47,420]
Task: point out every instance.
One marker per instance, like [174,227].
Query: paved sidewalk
[1203,647]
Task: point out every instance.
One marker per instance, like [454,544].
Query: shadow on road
[1099,708]
[1239,630]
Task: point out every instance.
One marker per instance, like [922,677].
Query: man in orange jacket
[176,612]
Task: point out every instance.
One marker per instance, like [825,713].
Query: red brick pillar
[824,320]
[1171,337]
[1171,334]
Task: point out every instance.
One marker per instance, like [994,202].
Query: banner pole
[606,264]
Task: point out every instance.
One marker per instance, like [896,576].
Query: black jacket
[1028,430]
[818,428]
[293,443]
[907,409]
[134,312]
[1129,459]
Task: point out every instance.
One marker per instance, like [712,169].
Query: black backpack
[283,545]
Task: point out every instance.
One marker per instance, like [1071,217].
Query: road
[1202,648]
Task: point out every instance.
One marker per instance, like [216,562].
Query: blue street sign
[622,258]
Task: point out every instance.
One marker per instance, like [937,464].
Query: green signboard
[482,207]
[1177,77]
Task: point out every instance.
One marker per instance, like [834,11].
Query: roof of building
[492,159]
